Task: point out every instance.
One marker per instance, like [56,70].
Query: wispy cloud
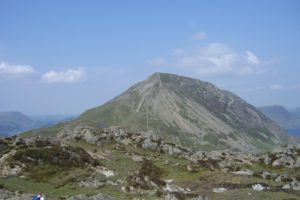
[200,36]
[68,76]
[214,60]
[252,58]
[219,59]
[15,70]
[178,51]
[276,87]
[157,61]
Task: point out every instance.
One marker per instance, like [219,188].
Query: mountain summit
[188,112]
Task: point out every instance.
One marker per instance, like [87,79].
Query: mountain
[16,122]
[11,122]
[296,112]
[139,160]
[289,120]
[188,112]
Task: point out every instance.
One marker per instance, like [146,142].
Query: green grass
[257,167]
[25,185]
[243,194]
[48,132]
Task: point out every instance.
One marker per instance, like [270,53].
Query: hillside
[115,164]
[188,112]
[296,112]
[289,120]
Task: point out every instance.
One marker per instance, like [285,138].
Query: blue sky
[65,56]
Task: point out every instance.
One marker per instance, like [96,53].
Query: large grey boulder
[286,161]
[149,144]
[297,162]
[170,197]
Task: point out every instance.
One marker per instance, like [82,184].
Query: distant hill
[12,122]
[289,120]
[296,112]
[16,122]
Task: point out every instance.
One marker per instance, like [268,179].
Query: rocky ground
[123,165]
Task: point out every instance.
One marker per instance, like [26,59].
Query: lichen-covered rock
[286,161]
[170,197]
[148,143]
[297,162]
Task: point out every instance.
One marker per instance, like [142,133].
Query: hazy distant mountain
[16,122]
[11,122]
[289,120]
[296,111]
[189,112]
[280,115]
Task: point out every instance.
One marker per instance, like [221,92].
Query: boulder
[170,197]
[286,186]
[148,143]
[172,149]
[258,187]
[219,190]
[297,162]
[282,179]
[295,185]
[246,172]
[286,161]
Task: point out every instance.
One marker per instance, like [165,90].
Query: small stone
[170,197]
[246,172]
[219,190]
[258,187]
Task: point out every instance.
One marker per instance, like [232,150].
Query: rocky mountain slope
[188,112]
[140,165]
[289,120]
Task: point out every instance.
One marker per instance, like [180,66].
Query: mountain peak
[188,112]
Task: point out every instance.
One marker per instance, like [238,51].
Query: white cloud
[157,61]
[200,36]
[276,87]
[68,76]
[178,51]
[217,59]
[15,70]
[252,58]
